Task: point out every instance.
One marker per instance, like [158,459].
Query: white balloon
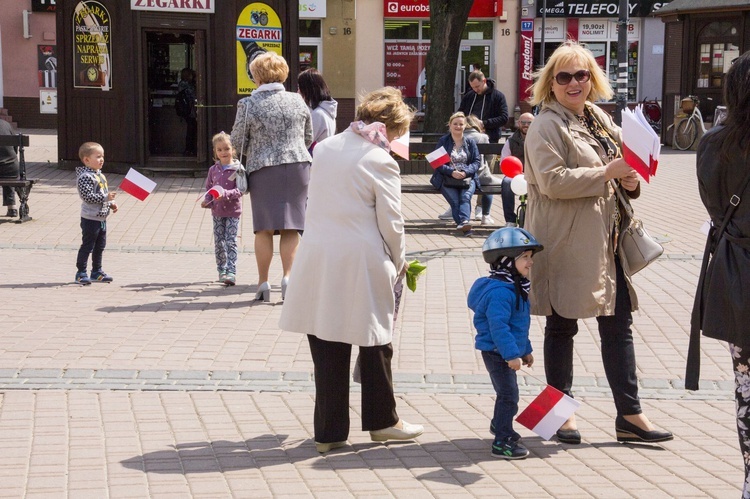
[518,185]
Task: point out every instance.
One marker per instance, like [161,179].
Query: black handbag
[457,183]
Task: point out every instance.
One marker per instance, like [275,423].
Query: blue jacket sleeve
[473,159]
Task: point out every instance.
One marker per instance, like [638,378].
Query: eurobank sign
[421,8]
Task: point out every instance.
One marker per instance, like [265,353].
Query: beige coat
[341,285]
[571,211]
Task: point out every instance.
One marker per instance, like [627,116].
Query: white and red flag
[438,157]
[137,185]
[401,145]
[547,412]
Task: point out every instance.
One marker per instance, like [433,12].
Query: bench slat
[14,140]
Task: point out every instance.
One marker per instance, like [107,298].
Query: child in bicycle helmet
[502,317]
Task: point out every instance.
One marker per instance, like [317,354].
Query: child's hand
[111,196]
[204,204]
[113,207]
[514,364]
[528,360]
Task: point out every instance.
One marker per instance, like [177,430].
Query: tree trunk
[447,21]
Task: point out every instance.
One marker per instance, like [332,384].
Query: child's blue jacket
[500,327]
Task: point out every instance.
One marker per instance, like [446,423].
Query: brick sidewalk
[166,371]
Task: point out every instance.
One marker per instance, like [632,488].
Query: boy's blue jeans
[506,401]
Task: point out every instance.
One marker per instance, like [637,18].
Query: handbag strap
[244,135]
[623,200]
[693,367]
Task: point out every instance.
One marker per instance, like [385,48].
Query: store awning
[691,6]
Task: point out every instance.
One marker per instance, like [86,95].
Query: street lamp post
[622,61]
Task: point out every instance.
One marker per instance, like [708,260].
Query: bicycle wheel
[521,215]
[685,134]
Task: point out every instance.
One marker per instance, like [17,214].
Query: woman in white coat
[341,289]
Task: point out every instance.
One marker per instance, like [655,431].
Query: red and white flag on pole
[547,412]
[438,157]
[137,185]
[401,145]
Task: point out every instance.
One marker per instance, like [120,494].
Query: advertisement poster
[92,46]
[47,65]
[526,59]
[404,66]
[258,30]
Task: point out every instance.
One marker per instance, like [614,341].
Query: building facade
[702,38]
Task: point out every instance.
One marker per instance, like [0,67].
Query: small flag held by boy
[547,412]
[137,185]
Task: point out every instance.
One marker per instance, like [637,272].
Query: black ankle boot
[12,213]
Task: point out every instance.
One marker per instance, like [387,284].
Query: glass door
[472,56]
[171,114]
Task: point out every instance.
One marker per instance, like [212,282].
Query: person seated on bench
[456,180]
[8,169]
[514,147]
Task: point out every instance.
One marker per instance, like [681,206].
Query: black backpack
[183,105]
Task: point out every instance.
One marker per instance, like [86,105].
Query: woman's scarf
[373,132]
[270,87]
[505,270]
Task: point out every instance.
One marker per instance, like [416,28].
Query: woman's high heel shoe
[628,432]
[264,292]
[284,284]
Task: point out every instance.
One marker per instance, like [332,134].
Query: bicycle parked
[652,112]
[687,128]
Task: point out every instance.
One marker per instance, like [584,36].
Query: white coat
[341,284]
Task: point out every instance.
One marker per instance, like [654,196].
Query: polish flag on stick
[401,145]
[547,412]
[137,185]
[438,157]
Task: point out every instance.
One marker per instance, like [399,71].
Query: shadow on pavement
[449,457]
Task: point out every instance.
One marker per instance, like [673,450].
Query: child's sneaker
[98,275]
[82,278]
[229,279]
[509,450]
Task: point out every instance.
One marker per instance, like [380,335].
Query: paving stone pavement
[167,384]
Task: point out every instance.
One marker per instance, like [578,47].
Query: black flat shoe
[628,432]
[12,212]
[569,436]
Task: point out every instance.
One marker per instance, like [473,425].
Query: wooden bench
[428,147]
[21,185]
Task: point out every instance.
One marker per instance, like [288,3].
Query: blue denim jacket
[472,160]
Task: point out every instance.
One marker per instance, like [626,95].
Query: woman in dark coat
[723,161]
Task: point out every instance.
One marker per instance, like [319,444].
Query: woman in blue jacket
[456,179]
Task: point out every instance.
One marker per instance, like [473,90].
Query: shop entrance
[471,54]
[174,77]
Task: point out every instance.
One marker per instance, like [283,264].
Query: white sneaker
[448,215]
[478,213]
[487,220]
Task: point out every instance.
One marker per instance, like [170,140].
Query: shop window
[718,45]
[402,30]
[474,30]
[632,55]
[309,28]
